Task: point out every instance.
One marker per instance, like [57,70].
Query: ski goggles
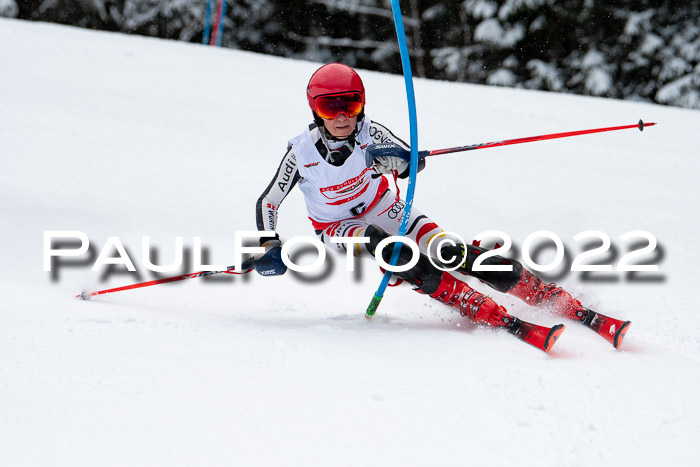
[329,107]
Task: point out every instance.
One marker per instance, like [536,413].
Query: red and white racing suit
[343,197]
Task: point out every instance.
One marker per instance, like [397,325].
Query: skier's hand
[270,263]
[387,158]
[389,164]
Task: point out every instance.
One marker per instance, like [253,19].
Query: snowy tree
[643,49]
[664,59]
[8,9]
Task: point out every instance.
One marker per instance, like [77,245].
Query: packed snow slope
[130,137]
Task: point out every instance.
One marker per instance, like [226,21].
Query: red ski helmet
[334,79]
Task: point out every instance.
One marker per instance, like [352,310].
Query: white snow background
[127,136]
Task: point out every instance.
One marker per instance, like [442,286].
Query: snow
[598,82]
[501,77]
[490,30]
[651,44]
[8,9]
[683,89]
[126,136]
[544,75]
[512,7]
[638,22]
[479,9]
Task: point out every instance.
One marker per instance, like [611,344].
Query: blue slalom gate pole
[207,24]
[413,169]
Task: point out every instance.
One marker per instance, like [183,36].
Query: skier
[348,196]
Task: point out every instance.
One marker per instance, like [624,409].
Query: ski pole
[390,149]
[528,139]
[246,267]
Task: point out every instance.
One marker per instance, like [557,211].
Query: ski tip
[620,334]
[552,336]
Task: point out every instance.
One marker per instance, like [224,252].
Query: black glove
[270,263]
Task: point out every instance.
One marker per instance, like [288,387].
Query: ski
[541,337]
[611,329]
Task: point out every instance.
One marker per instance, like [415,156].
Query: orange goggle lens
[329,107]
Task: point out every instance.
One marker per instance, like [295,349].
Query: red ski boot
[481,309]
[533,291]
